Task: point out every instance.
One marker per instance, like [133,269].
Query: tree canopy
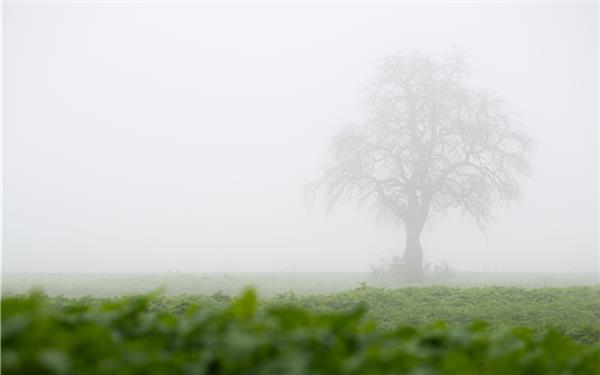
[428,144]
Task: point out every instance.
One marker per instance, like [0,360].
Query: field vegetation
[268,284]
[418,330]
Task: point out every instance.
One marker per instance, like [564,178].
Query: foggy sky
[149,138]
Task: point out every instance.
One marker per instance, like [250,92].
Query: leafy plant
[135,335]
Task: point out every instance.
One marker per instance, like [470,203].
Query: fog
[155,138]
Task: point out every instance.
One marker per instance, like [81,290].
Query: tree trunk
[413,255]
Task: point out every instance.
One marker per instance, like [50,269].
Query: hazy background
[148,138]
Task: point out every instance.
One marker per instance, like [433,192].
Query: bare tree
[428,145]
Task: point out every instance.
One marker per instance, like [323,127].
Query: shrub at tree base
[125,337]
[395,270]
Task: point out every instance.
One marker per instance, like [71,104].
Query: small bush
[394,270]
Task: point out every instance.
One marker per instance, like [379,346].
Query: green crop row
[573,311]
[154,335]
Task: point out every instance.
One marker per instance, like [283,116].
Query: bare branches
[428,144]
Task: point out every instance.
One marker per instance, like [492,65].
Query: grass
[268,284]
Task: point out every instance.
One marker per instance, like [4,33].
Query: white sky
[144,138]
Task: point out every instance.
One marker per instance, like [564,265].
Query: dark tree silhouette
[428,144]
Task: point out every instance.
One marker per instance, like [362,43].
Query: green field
[362,331]
[572,311]
[267,284]
[301,323]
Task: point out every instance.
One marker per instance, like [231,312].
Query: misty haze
[153,138]
[337,150]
